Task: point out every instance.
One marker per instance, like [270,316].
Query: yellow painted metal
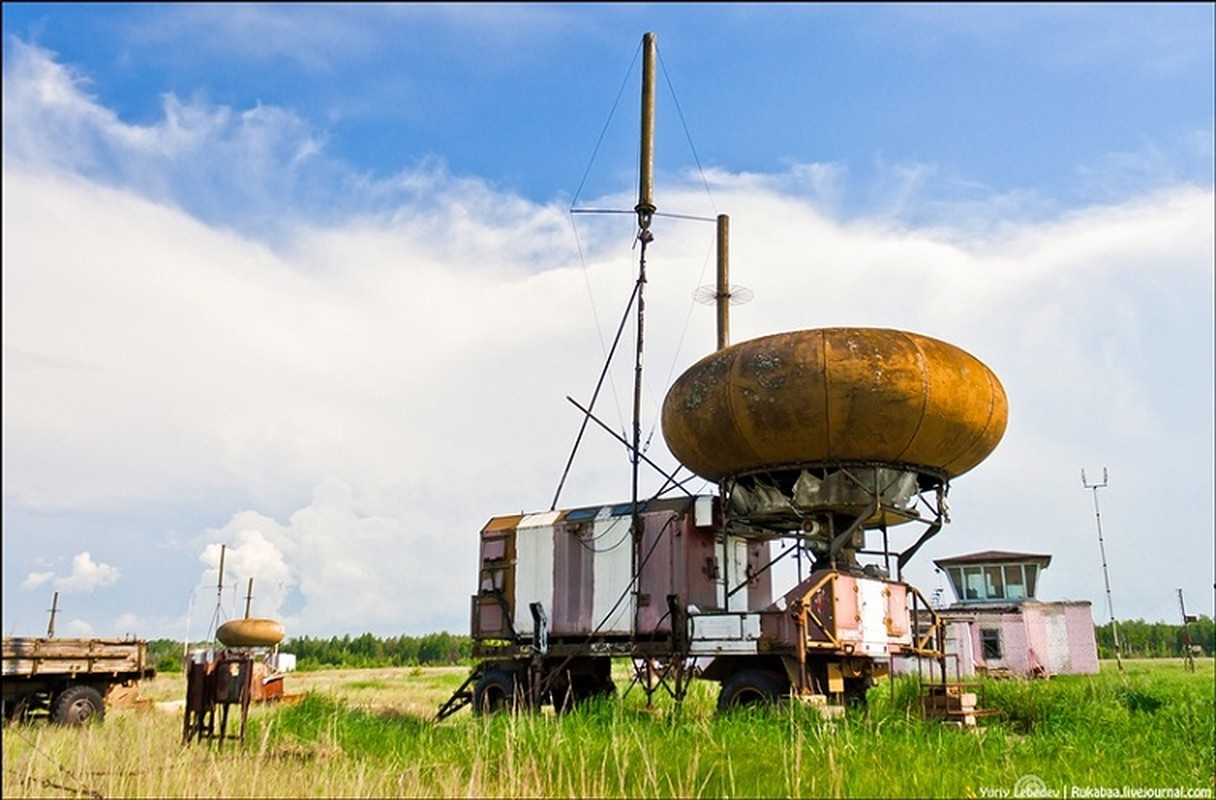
[507,523]
[833,395]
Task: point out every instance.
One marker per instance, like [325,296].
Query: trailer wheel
[751,687]
[494,692]
[77,705]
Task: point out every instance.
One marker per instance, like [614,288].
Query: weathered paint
[612,603]
[1036,638]
[719,634]
[533,566]
[867,616]
[578,564]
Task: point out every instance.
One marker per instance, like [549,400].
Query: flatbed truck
[69,678]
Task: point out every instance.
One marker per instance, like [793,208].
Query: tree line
[1140,639]
[357,652]
[1137,638]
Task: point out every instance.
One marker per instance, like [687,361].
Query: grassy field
[369,733]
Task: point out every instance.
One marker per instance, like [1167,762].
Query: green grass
[1109,730]
[1150,726]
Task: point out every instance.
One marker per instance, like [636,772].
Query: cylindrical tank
[835,395]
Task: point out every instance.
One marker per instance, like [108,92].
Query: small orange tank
[250,632]
[835,395]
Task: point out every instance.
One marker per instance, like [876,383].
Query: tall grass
[1152,726]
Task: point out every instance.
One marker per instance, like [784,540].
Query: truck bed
[37,657]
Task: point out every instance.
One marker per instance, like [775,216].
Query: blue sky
[301,279]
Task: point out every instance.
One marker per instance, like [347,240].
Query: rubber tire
[494,692]
[751,687]
[78,705]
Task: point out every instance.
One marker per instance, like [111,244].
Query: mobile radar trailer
[825,445]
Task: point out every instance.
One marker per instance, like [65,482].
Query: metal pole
[1110,605]
[219,578]
[645,210]
[723,293]
[50,627]
[646,206]
[1189,659]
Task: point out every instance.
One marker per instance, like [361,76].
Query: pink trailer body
[578,565]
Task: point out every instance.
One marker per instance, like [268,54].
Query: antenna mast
[219,593]
[248,598]
[645,210]
[1187,619]
[1110,606]
[50,627]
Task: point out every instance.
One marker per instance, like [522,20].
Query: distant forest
[1138,639]
[366,650]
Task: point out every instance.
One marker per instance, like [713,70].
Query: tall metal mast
[1110,605]
[645,210]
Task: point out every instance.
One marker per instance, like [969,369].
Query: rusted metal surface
[250,632]
[215,682]
[836,611]
[835,395]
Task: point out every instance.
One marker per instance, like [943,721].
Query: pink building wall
[1053,638]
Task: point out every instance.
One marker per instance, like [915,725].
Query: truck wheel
[494,692]
[751,687]
[77,705]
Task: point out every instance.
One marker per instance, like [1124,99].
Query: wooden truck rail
[69,678]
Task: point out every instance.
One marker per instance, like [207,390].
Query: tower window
[990,643]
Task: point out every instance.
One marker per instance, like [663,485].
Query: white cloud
[87,575]
[77,628]
[128,624]
[366,393]
[230,167]
[36,579]
[84,576]
[415,396]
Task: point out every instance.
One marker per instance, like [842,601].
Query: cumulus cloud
[339,556]
[226,166]
[84,576]
[360,395]
[36,579]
